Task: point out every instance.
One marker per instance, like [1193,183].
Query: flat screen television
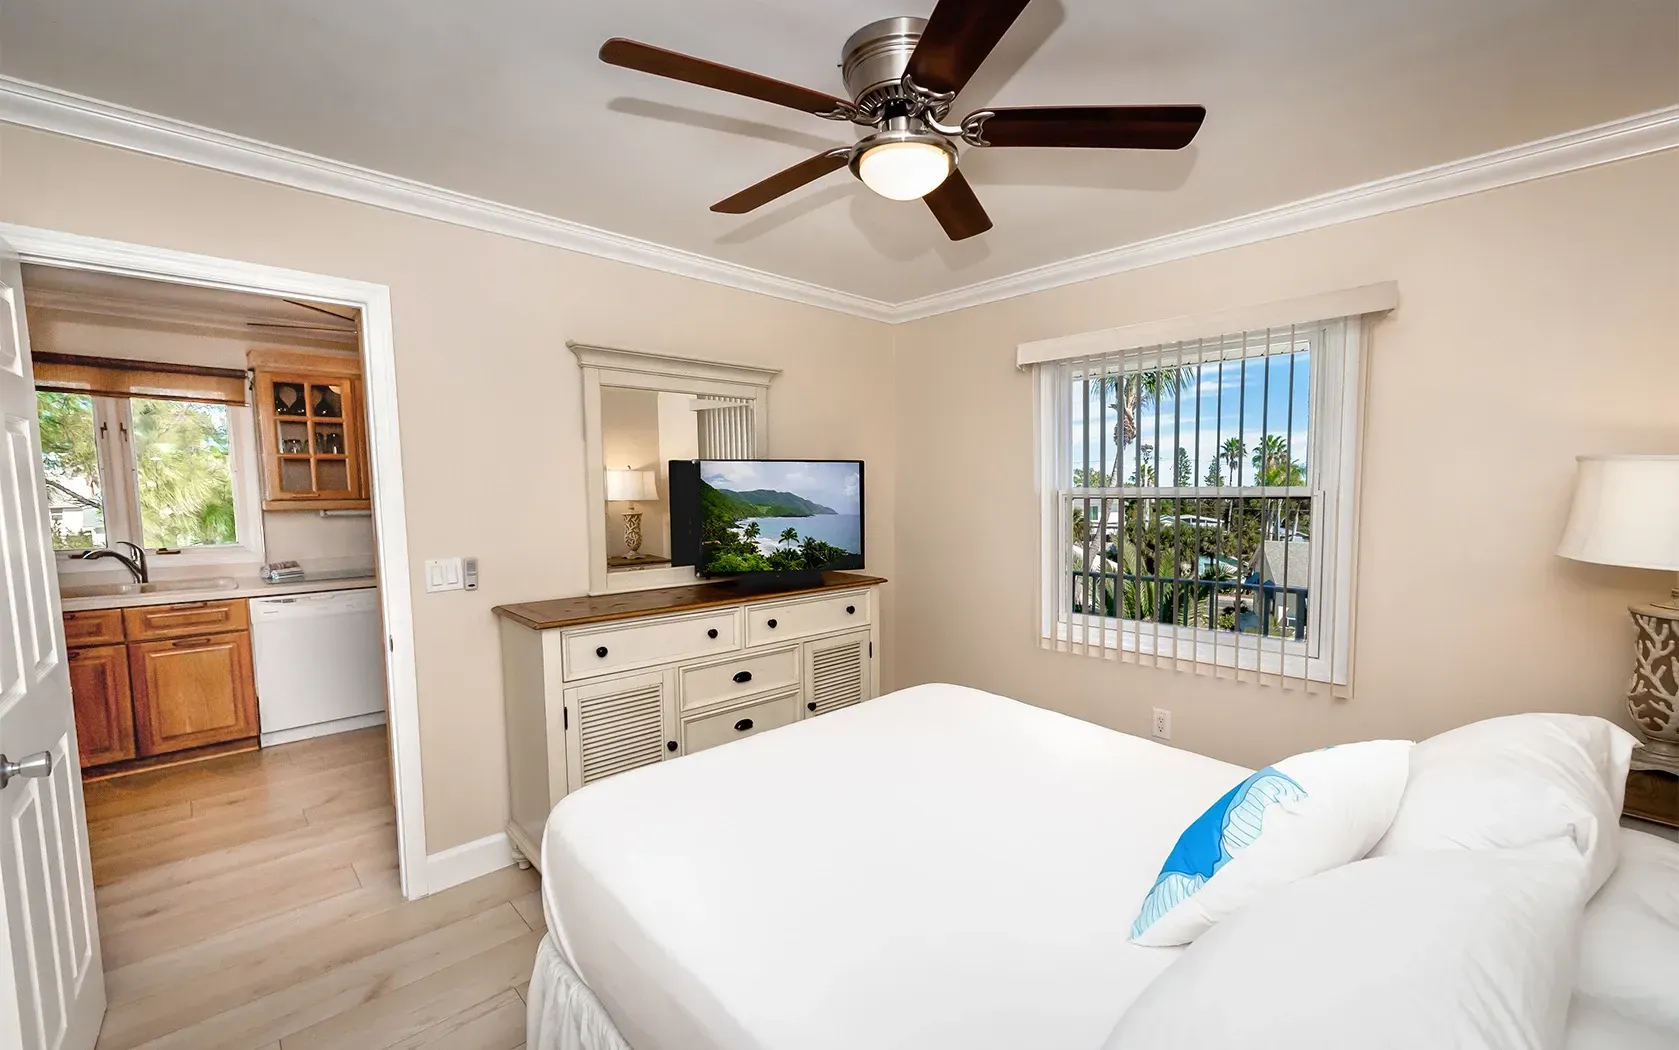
[767,520]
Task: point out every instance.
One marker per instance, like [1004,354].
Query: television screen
[780,516]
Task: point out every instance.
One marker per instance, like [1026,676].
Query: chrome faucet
[136,565]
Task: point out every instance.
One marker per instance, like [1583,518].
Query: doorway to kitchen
[222,480]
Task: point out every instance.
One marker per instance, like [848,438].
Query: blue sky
[832,484]
[1226,404]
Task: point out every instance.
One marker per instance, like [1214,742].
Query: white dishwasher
[320,663]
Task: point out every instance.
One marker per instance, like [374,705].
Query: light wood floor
[251,903]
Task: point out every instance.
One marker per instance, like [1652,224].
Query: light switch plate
[443,574]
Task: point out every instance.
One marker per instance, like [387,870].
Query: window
[1199,506]
[169,475]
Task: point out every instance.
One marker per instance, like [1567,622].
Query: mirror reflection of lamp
[627,486]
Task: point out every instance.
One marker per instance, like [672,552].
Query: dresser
[599,685]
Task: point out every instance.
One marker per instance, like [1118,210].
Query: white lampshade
[1626,512]
[624,485]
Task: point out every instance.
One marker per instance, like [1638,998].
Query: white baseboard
[468,861]
[339,725]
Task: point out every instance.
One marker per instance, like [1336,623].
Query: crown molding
[48,109]
[1604,144]
[64,113]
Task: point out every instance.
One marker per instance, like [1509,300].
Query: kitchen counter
[243,587]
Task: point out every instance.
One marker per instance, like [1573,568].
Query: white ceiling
[505,99]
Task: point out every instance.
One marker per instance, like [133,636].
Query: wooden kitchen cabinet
[103,702]
[311,431]
[189,692]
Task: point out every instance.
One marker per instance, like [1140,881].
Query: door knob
[39,765]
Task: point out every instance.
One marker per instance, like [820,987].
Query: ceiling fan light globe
[904,171]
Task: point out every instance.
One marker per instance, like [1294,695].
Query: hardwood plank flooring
[252,902]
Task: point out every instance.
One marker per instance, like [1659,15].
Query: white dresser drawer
[711,730]
[741,677]
[606,650]
[767,624]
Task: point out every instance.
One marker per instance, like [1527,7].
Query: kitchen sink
[119,590]
[208,583]
[99,590]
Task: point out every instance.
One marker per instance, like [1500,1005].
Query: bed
[940,868]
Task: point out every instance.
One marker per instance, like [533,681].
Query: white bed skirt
[563,1014]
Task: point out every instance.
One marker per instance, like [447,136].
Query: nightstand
[1653,794]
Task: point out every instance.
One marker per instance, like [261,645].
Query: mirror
[641,432]
[640,411]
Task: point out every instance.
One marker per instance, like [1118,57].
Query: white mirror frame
[607,366]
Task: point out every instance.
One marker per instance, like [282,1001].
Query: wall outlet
[443,574]
[1162,728]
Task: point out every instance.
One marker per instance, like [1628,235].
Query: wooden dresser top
[603,608]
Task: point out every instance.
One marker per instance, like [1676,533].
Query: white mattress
[939,868]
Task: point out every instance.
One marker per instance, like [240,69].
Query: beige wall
[335,543]
[490,398]
[1536,323]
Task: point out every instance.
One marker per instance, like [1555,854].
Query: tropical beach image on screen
[761,516]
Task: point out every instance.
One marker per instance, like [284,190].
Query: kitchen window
[174,476]
[1198,501]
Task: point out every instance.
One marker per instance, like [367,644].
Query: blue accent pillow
[1304,815]
[1229,825]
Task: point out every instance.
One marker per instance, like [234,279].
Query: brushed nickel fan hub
[899,129]
[873,62]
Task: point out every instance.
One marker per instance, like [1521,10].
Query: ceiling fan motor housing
[874,60]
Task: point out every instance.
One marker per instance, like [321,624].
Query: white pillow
[1433,950]
[1513,781]
[1306,814]
[1629,940]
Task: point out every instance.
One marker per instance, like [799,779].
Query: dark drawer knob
[850,609]
[743,725]
[711,633]
[772,624]
[601,652]
[811,706]
[670,745]
[743,676]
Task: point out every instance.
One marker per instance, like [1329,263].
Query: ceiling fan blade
[319,309]
[958,37]
[1091,127]
[957,209]
[783,182]
[301,327]
[661,63]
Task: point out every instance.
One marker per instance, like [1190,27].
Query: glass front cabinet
[313,439]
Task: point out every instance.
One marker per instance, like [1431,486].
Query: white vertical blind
[726,430]
[1195,502]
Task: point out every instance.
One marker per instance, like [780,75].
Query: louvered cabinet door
[618,725]
[838,673]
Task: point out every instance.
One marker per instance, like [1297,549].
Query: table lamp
[1626,512]
[628,486]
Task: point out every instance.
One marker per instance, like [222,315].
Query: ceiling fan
[349,327]
[902,75]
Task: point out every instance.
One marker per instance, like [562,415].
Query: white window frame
[120,495]
[1335,439]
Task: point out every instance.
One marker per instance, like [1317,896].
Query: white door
[52,985]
